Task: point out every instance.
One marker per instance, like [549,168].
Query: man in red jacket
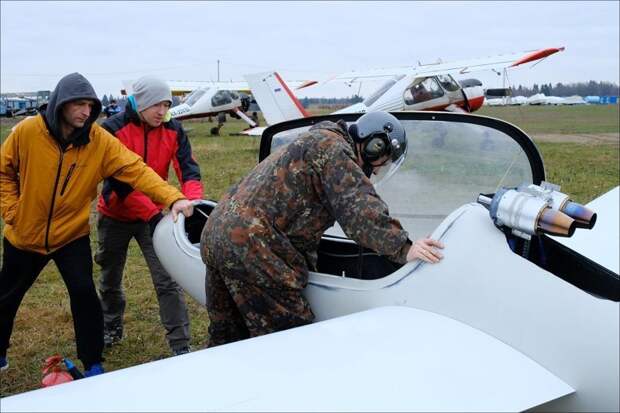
[125,213]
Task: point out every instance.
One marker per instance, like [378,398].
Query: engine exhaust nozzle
[584,217]
[554,222]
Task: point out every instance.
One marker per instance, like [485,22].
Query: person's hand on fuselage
[184,206]
[425,249]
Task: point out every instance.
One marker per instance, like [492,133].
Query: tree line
[591,88]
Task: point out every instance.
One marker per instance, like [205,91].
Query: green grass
[584,171]
[558,119]
[43,326]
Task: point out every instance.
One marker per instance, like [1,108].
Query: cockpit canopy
[195,96]
[451,159]
[222,97]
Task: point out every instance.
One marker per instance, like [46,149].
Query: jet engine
[533,210]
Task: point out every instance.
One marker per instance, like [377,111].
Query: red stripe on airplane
[537,55]
[306,84]
[293,98]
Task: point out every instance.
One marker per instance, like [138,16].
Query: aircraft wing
[458,67]
[384,359]
[188,86]
[181,87]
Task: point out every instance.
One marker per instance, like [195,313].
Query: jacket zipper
[145,141]
[49,218]
[64,186]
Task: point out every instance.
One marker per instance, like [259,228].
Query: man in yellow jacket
[50,166]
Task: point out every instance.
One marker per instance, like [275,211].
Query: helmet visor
[386,170]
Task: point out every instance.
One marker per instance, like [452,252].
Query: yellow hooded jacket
[46,192]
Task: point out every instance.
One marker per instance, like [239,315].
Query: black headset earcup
[375,148]
[353,133]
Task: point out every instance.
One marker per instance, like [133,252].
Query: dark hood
[71,87]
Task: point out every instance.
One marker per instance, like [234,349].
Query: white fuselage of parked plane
[206,101]
[408,93]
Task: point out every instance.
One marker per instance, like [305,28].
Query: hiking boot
[181,350]
[94,370]
[112,335]
[4,363]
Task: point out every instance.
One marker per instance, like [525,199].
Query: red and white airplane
[406,88]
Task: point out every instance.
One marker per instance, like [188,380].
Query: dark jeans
[74,261]
[114,237]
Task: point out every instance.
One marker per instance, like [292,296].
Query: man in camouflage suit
[262,238]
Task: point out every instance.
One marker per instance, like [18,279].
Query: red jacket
[157,147]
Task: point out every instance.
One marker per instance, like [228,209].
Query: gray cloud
[112,41]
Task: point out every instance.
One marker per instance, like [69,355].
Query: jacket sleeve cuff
[400,256]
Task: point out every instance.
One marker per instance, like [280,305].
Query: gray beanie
[149,91]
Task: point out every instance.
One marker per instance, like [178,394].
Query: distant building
[22,103]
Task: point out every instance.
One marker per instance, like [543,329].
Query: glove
[153,223]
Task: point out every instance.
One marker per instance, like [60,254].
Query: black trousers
[74,261]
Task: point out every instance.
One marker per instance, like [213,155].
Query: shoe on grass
[94,370]
[181,350]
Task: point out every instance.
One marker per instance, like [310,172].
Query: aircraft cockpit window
[381,91]
[193,97]
[448,83]
[221,98]
[422,91]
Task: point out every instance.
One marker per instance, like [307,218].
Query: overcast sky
[111,41]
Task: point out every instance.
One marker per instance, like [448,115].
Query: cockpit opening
[195,223]
[221,98]
[344,258]
[422,90]
[448,83]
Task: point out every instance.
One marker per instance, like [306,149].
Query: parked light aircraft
[201,99]
[488,328]
[424,87]
[215,97]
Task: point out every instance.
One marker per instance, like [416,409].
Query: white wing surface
[385,359]
[458,67]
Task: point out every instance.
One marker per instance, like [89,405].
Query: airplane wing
[182,87]
[459,67]
[384,359]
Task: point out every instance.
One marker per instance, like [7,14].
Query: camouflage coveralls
[262,238]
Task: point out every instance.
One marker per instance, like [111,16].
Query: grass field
[591,119]
[44,325]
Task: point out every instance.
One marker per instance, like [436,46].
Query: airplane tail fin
[274,97]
